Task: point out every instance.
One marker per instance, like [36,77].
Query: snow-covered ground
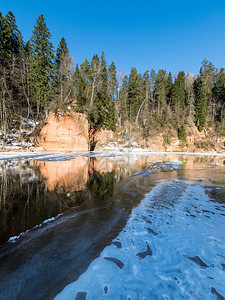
[19,138]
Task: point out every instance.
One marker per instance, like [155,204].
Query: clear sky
[171,34]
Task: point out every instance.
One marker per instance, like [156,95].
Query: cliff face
[68,132]
[166,139]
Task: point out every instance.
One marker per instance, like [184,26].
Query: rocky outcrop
[102,137]
[65,132]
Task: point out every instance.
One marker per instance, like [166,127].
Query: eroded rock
[65,132]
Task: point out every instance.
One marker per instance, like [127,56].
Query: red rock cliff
[65,132]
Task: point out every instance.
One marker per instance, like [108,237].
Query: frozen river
[115,227]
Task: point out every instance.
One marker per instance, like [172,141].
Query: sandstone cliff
[65,132]
[70,132]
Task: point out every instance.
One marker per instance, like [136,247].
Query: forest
[35,79]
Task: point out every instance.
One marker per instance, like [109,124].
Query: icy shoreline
[32,155]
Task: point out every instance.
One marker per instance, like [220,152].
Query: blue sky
[174,35]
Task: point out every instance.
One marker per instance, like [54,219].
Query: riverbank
[33,154]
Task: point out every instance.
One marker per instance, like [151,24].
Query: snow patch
[13,239]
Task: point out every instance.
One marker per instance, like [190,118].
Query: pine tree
[42,66]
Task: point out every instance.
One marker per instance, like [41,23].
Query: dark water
[123,227]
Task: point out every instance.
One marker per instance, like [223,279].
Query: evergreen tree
[61,52]
[103,79]
[11,64]
[189,81]
[106,105]
[169,85]
[152,79]
[182,136]
[178,93]
[132,99]
[146,83]
[63,75]
[123,101]
[42,65]
[112,81]
[160,91]
[101,108]
[95,69]
[11,41]
[203,93]
[143,88]
[137,105]
[79,89]
[218,97]
[200,103]
[85,70]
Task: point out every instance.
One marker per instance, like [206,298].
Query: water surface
[119,227]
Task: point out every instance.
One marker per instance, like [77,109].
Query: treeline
[34,79]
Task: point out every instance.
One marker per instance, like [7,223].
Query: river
[115,226]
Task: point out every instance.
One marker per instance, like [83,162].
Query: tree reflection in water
[26,200]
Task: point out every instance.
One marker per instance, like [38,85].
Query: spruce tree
[143,88]
[95,69]
[178,93]
[203,93]
[42,67]
[103,79]
[85,71]
[61,52]
[123,107]
[105,104]
[189,81]
[11,41]
[79,90]
[11,64]
[160,91]
[200,103]
[182,136]
[112,81]
[132,98]
[63,72]
[169,85]
[140,97]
